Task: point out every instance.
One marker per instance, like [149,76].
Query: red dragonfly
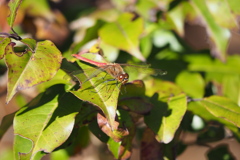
[115,70]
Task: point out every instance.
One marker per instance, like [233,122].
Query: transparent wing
[141,71]
[85,75]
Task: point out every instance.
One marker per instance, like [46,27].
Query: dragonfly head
[123,78]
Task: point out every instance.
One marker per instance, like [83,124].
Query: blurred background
[179,34]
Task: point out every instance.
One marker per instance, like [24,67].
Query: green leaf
[98,91]
[199,109]
[145,8]
[234,7]
[206,64]
[167,117]
[218,36]
[4,41]
[222,13]
[124,34]
[231,87]
[122,150]
[45,123]
[165,89]
[28,69]
[114,147]
[176,19]
[162,37]
[191,83]
[223,107]
[13,6]
[31,43]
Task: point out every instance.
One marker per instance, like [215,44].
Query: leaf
[117,134]
[222,107]
[31,43]
[99,91]
[234,7]
[199,109]
[124,34]
[114,147]
[45,123]
[4,41]
[122,150]
[13,6]
[134,98]
[218,36]
[31,69]
[146,8]
[176,19]
[191,83]
[206,64]
[162,37]
[222,13]
[167,89]
[231,87]
[150,147]
[167,117]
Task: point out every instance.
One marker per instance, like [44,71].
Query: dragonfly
[115,70]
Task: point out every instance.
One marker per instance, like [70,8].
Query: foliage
[75,98]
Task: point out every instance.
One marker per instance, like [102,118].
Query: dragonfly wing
[143,69]
[85,75]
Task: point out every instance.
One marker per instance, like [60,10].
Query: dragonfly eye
[124,78]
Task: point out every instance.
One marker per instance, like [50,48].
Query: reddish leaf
[150,148]
[112,131]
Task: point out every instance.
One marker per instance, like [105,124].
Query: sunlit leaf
[147,9]
[114,147]
[222,13]
[30,69]
[218,36]
[234,7]
[31,43]
[162,37]
[168,114]
[176,18]
[222,107]
[98,91]
[167,117]
[117,134]
[13,6]
[191,83]
[122,150]
[206,64]
[199,109]
[231,87]
[4,41]
[122,35]
[45,123]
[60,154]
[164,89]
